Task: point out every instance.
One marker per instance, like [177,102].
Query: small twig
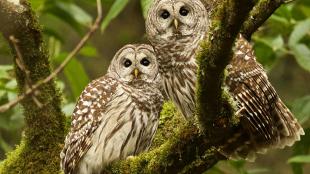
[78,47]
[21,64]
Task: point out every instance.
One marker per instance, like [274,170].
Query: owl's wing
[86,117]
[265,119]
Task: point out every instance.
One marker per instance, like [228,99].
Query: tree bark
[45,127]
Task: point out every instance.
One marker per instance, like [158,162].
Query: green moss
[169,118]
[24,160]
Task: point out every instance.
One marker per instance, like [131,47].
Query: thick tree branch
[215,55]
[260,13]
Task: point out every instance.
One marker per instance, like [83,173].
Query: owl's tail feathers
[287,125]
[247,142]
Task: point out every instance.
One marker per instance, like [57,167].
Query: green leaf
[4,71]
[4,145]
[54,46]
[114,11]
[37,4]
[301,109]
[12,84]
[285,11]
[70,14]
[145,4]
[302,55]
[76,12]
[258,170]
[75,74]
[300,30]
[305,10]
[264,51]
[89,51]
[77,77]
[281,20]
[300,159]
[52,33]
[277,43]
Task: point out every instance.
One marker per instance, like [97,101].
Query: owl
[175,28]
[117,114]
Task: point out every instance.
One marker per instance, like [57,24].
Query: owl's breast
[179,85]
[125,130]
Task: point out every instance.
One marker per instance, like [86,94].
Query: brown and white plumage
[265,120]
[116,115]
[175,48]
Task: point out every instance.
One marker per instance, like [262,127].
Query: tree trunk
[45,127]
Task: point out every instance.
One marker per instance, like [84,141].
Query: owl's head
[173,19]
[135,63]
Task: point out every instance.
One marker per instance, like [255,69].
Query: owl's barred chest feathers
[178,67]
[146,96]
[136,114]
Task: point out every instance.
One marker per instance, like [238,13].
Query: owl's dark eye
[145,62]
[165,14]
[127,63]
[183,11]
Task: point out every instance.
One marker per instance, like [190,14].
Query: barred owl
[116,115]
[175,29]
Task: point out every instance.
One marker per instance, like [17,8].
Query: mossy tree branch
[215,55]
[45,127]
[260,13]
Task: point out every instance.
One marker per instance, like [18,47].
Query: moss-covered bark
[212,101]
[44,132]
[260,13]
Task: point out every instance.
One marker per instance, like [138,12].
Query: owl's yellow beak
[136,72]
[176,23]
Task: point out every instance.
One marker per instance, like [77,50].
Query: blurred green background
[282,45]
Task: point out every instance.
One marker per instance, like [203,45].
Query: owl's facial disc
[174,19]
[135,63]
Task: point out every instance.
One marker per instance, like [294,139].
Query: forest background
[282,45]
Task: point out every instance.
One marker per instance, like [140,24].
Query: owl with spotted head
[117,114]
[175,28]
